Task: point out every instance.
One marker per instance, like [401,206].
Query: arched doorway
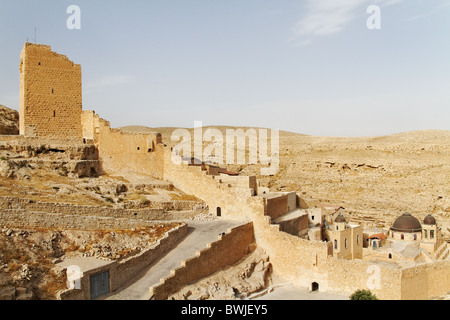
[219,211]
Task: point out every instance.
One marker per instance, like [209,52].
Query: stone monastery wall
[305,262]
[122,152]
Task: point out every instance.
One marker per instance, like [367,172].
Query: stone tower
[50,94]
[430,234]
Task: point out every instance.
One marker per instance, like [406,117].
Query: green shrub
[363,295]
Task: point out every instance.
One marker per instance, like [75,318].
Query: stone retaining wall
[229,249]
[159,213]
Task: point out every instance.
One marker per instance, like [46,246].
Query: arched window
[335,244]
[219,211]
[345,243]
[402,237]
[390,255]
[357,239]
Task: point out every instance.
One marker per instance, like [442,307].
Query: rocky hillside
[9,121]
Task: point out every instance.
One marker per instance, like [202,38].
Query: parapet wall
[232,202]
[128,269]
[229,249]
[122,152]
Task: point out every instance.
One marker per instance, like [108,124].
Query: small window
[54,113]
[335,244]
[357,239]
[425,234]
[138,148]
[53,91]
[431,234]
[402,237]
[390,256]
[312,218]
[39,63]
[345,243]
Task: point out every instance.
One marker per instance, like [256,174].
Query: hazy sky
[308,66]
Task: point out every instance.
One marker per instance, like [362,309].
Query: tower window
[53,91]
[431,234]
[54,113]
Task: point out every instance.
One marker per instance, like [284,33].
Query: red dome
[406,223]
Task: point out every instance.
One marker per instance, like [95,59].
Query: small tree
[363,295]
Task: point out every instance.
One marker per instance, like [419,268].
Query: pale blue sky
[308,66]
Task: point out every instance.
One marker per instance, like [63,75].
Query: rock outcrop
[9,121]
